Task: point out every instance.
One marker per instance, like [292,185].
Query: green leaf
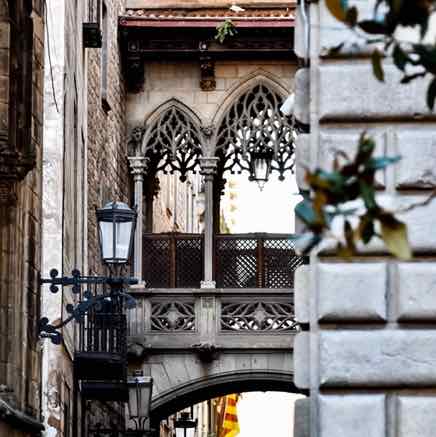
[349,237]
[365,150]
[394,234]
[366,229]
[368,195]
[372,27]
[381,163]
[400,58]
[338,8]
[431,94]
[351,16]
[377,66]
[408,79]
[305,212]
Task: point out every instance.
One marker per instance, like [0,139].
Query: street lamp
[116,225]
[185,425]
[140,390]
[260,165]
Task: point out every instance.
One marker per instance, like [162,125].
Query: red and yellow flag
[230,420]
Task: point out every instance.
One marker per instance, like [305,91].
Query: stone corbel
[207,352]
[207,73]
[207,69]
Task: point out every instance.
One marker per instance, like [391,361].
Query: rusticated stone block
[349,91]
[352,416]
[378,358]
[354,292]
[416,291]
[416,416]
[302,360]
[301,294]
[417,169]
[302,418]
[347,141]
[302,96]
[302,158]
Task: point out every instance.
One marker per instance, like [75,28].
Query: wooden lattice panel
[189,262]
[279,263]
[236,262]
[156,262]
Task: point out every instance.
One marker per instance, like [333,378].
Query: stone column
[208,170]
[138,167]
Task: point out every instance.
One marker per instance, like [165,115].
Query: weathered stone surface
[341,84]
[302,294]
[302,418]
[417,147]
[347,140]
[352,292]
[299,35]
[378,358]
[352,416]
[302,159]
[416,285]
[302,96]
[302,360]
[416,416]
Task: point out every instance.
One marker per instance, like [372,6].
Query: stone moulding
[19,419]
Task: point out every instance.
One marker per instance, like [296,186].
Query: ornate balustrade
[209,318]
[240,261]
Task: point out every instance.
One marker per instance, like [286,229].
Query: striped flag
[230,420]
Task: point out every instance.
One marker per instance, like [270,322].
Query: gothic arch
[258,77]
[202,389]
[250,121]
[173,139]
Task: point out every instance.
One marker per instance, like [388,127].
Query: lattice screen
[236,262]
[279,263]
[189,262]
[156,262]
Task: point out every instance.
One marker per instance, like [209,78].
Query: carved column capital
[138,166]
[208,167]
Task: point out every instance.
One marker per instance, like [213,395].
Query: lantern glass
[116,223]
[260,166]
[140,389]
[185,432]
[185,426]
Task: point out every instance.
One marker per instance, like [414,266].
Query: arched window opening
[173,144]
[255,136]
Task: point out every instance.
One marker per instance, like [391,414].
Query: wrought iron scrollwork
[111,291]
[252,124]
[258,316]
[174,143]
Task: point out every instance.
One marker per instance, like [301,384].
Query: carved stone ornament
[207,74]
[134,144]
[207,352]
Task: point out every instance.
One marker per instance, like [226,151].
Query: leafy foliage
[225,30]
[336,195]
[388,17]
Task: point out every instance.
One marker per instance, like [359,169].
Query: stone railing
[213,319]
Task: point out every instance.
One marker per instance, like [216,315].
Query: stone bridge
[198,343]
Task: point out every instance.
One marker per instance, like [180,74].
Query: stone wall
[20,214]
[181,81]
[368,357]
[107,166]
